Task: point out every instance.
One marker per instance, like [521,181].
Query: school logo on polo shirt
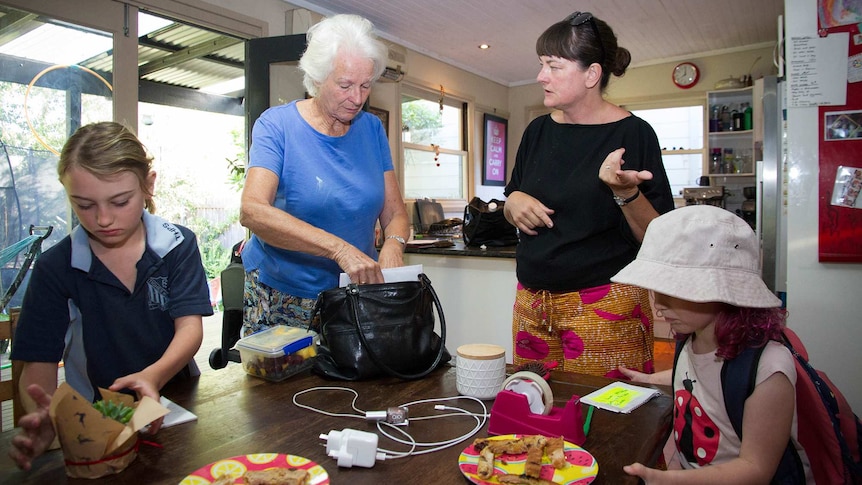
[157,293]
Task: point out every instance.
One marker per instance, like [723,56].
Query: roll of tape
[533,386]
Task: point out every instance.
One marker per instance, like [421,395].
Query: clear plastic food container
[278,352]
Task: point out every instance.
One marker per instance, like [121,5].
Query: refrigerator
[771,179]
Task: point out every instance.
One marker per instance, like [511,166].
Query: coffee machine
[713,195]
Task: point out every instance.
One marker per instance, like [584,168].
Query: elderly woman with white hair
[320,176]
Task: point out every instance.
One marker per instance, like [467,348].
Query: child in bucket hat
[703,265]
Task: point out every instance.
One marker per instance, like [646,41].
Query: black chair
[232,287]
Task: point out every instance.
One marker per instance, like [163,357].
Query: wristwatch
[398,238]
[621,202]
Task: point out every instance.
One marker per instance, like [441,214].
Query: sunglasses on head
[580,18]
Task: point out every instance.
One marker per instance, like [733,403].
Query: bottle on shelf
[715,161]
[747,114]
[715,119]
[727,162]
[736,119]
[726,121]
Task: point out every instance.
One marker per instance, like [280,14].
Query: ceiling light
[484,46]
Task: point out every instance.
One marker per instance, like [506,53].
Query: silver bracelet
[398,238]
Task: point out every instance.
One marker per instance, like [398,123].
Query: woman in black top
[587,180]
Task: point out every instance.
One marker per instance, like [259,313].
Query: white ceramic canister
[480,370]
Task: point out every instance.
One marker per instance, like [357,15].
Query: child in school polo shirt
[77,311]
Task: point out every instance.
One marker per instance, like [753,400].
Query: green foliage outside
[176,201]
[236,165]
[422,117]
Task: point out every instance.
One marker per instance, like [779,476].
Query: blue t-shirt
[76,310]
[333,183]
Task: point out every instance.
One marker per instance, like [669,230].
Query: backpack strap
[742,369]
[680,343]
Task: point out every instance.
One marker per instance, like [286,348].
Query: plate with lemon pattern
[236,467]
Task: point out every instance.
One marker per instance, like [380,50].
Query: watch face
[685,75]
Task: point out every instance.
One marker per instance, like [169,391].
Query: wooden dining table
[238,414]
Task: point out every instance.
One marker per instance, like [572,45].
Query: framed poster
[383,115]
[494,154]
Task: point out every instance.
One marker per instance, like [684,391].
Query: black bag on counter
[484,223]
[369,331]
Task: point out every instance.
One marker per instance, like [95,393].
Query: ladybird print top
[702,429]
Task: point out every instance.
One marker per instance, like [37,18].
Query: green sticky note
[618,396]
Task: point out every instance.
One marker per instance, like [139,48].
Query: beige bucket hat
[701,253]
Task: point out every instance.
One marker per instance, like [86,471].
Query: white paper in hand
[390,275]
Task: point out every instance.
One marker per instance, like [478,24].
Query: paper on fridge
[620,397]
[390,275]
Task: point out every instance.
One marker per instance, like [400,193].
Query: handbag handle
[353,290]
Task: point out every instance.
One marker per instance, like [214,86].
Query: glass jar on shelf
[727,161]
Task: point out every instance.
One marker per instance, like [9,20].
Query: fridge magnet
[848,183]
[854,66]
[842,125]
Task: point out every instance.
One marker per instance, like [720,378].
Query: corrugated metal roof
[174,53]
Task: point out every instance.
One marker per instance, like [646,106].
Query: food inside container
[278,352]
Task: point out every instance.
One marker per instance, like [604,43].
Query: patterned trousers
[591,331]
[265,307]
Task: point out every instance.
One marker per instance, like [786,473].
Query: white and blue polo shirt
[77,311]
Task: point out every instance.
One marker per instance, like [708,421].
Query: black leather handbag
[484,223]
[369,331]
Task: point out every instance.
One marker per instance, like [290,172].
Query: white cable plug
[352,447]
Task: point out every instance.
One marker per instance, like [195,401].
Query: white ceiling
[652,30]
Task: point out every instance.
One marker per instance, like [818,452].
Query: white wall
[273,12]
[822,297]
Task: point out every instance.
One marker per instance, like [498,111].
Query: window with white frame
[434,145]
[680,136]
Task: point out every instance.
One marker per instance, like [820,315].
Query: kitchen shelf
[730,134]
[732,175]
[741,143]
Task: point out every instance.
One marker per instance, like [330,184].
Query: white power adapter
[352,447]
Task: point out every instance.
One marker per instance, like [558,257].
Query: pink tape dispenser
[525,406]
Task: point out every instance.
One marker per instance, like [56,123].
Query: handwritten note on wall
[817,71]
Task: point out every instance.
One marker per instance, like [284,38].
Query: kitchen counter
[460,249]
[476,288]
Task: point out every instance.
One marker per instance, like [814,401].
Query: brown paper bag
[93,444]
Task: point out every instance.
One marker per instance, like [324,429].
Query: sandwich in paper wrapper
[95,445]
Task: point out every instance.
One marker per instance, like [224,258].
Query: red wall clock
[685,75]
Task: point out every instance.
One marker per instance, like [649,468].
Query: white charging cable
[430,447]
[352,447]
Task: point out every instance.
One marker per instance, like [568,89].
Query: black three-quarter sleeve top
[558,164]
